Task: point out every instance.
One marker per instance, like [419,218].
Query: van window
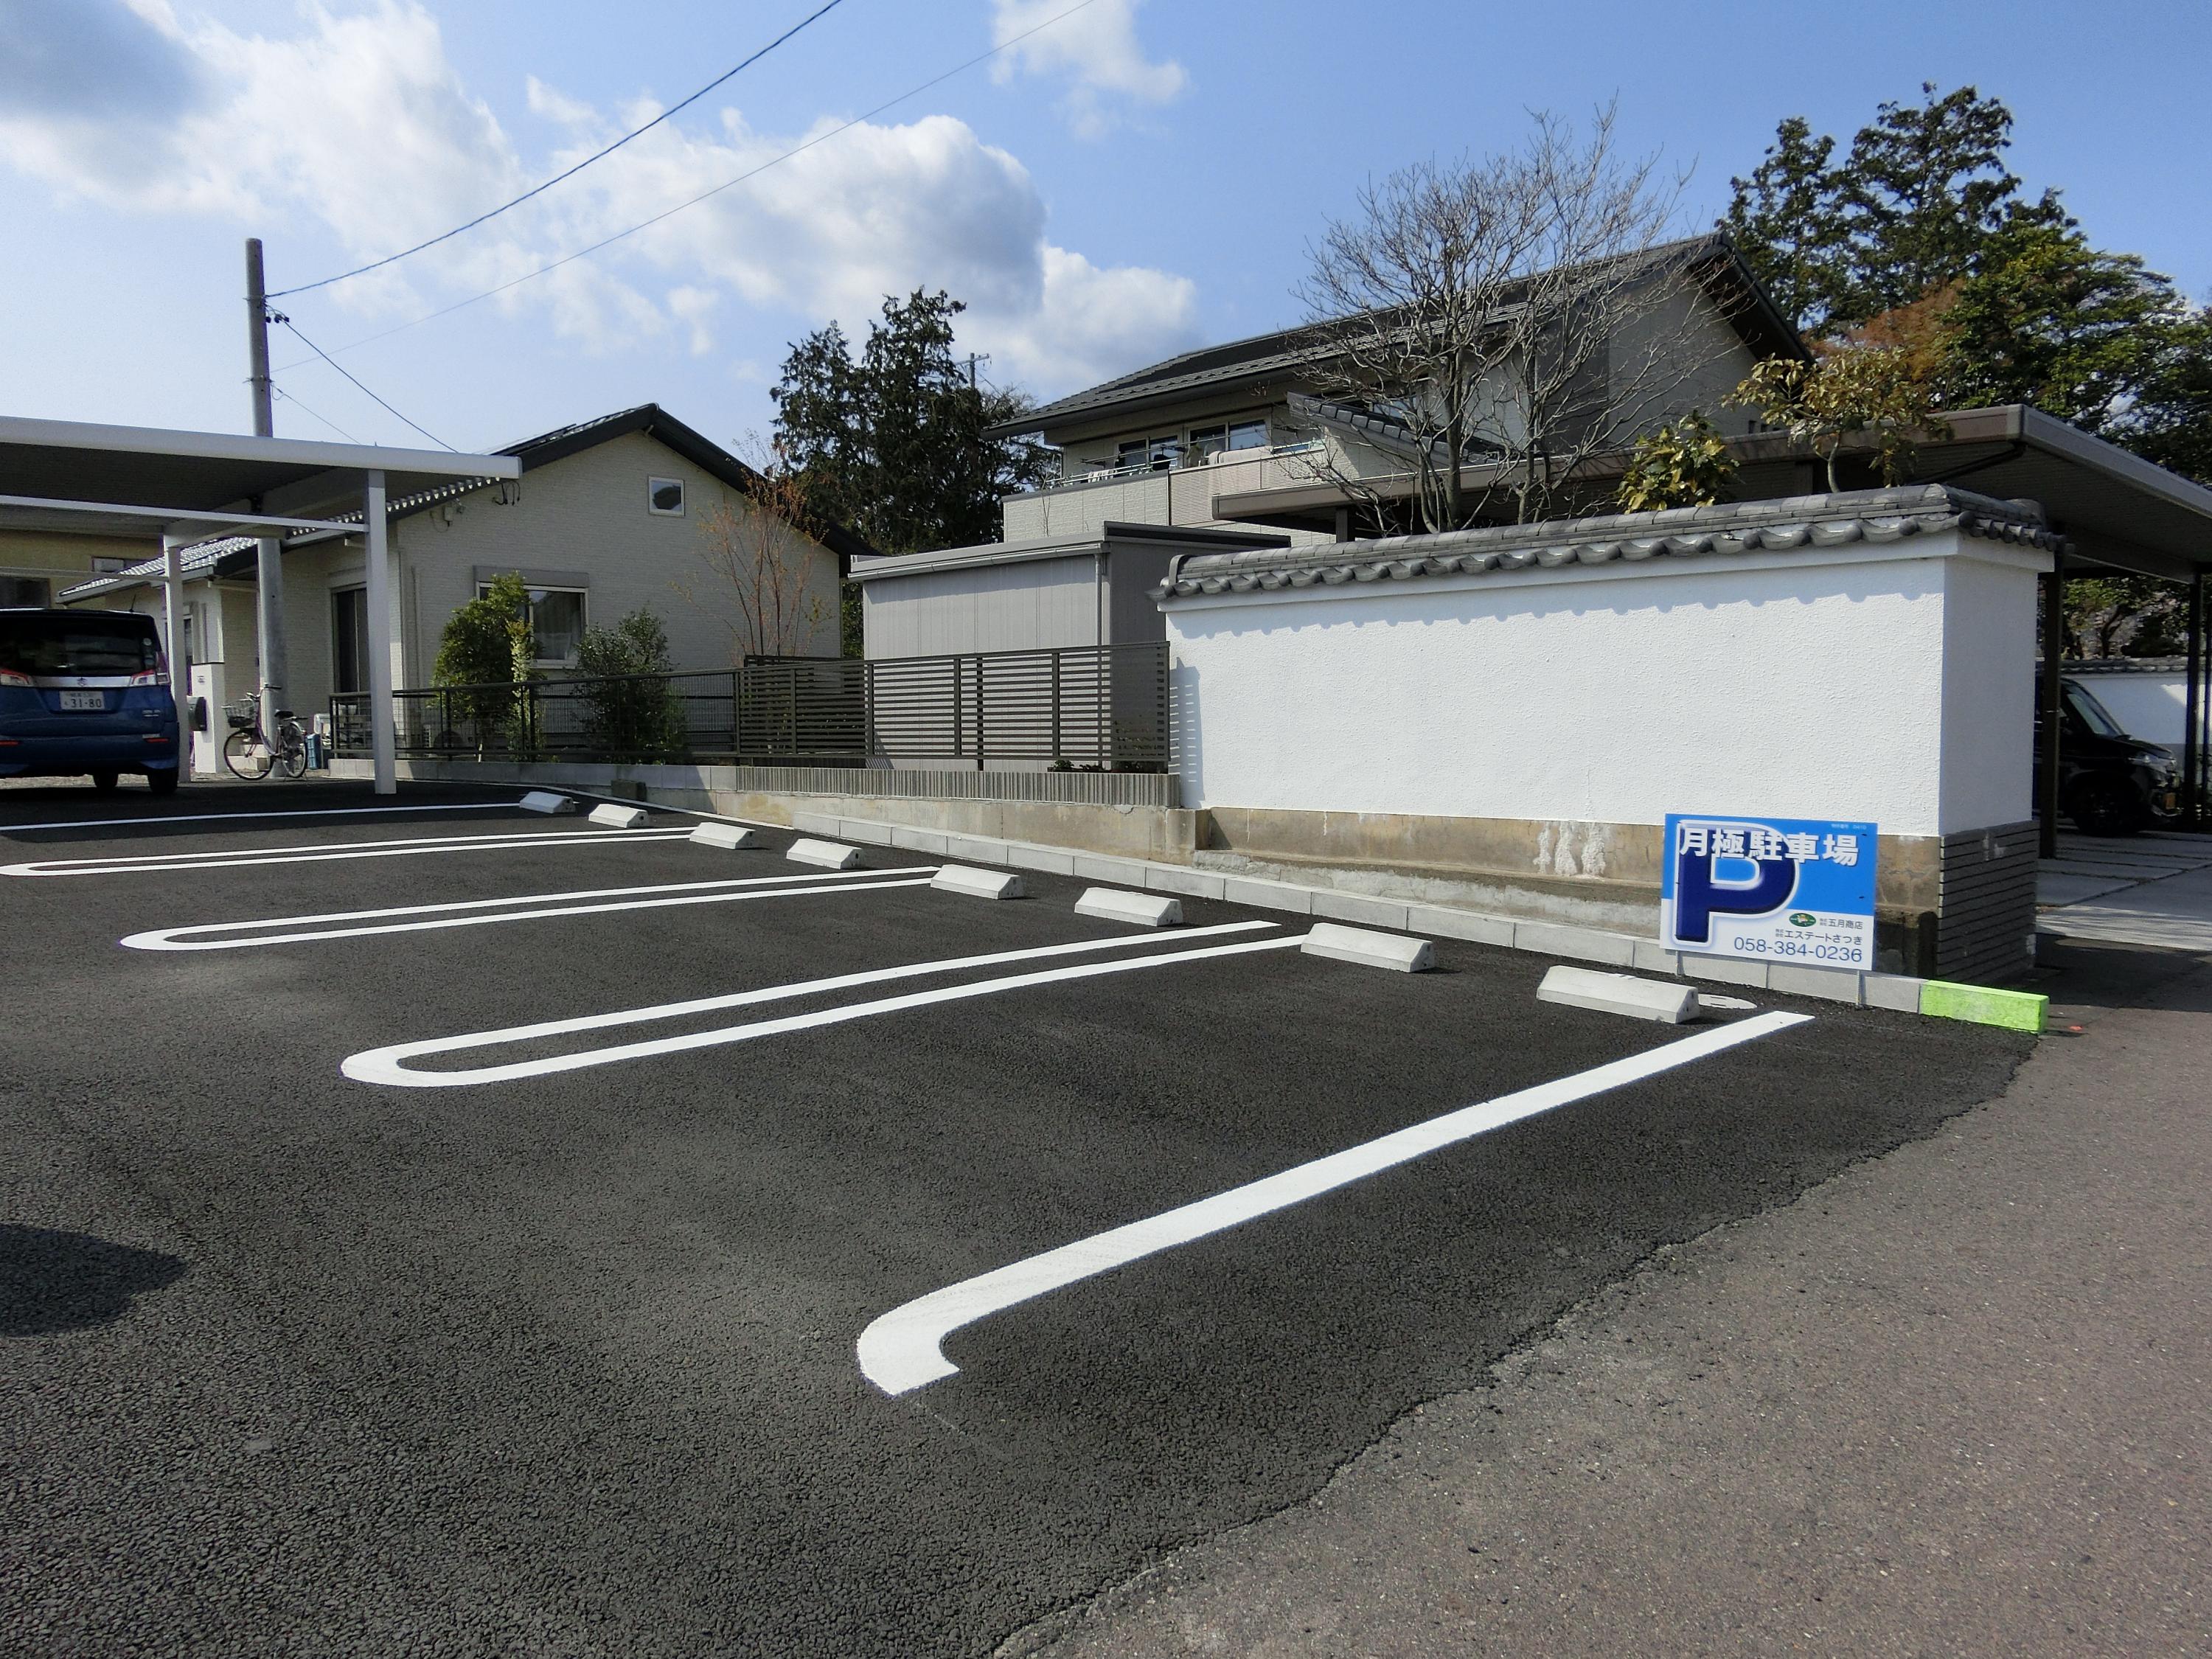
[82,642]
[2091,713]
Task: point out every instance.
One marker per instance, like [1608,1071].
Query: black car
[2109,783]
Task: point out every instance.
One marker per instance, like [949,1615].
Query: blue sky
[1134,179]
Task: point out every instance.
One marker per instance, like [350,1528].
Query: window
[350,640]
[665,496]
[91,643]
[1157,454]
[17,592]
[1247,435]
[1208,440]
[556,624]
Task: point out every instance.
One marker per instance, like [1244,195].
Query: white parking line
[693,892]
[903,1349]
[246,857]
[387,1065]
[226,817]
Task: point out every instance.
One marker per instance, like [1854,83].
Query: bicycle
[248,752]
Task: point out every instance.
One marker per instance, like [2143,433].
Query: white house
[607,517]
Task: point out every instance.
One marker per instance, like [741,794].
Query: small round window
[665,496]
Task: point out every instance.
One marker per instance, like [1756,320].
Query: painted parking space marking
[389,1065]
[903,1349]
[229,817]
[265,930]
[243,858]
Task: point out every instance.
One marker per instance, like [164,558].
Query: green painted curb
[2016,1011]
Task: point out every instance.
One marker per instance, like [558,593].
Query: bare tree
[1498,326]
[758,559]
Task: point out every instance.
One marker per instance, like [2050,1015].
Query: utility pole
[267,562]
[256,342]
[974,358]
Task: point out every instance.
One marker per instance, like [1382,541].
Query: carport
[177,489]
[2120,514]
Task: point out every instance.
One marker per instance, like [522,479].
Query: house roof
[656,422]
[1713,257]
[228,554]
[1876,516]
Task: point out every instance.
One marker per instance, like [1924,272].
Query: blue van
[85,691]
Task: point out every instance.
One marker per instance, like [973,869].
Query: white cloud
[692,306]
[362,121]
[1096,49]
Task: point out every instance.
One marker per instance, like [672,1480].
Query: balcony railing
[1068,477]
[1085,708]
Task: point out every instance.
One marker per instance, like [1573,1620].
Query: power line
[727,184]
[324,419]
[279,316]
[389,259]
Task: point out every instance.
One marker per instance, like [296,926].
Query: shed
[1089,589]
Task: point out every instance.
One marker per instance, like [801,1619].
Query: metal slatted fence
[1102,707]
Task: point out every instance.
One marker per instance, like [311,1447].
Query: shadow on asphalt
[32,814]
[2095,977]
[53,1281]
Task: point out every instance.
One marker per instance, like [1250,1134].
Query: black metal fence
[1099,707]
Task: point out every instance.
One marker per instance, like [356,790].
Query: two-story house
[1259,433]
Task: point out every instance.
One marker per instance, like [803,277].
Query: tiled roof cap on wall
[1877,516]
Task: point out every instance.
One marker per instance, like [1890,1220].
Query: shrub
[486,648]
[630,708]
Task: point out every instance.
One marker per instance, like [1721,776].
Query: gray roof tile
[1732,528]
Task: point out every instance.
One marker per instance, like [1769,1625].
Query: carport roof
[60,474]
[2115,509]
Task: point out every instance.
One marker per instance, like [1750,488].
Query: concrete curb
[1898,991]
[1145,910]
[978,884]
[829,855]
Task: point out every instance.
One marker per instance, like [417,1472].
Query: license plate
[90,701]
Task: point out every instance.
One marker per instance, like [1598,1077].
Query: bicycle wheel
[247,755]
[291,751]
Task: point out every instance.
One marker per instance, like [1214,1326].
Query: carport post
[268,579]
[2054,645]
[2192,735]
[379,598]
[180,671]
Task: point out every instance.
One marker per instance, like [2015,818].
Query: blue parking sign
[1769,890]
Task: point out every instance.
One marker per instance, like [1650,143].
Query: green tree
[893,442]
[2049,320]
[1785,220]
[1921,197]
[487,649]
[1913,205]
[1685,463]
[2171,421]
[630,708]
[1861,389]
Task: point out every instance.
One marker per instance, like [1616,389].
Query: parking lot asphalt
[566,1363]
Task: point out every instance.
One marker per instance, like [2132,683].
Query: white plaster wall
[1989,686]
[1807,685]
[2151,707]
